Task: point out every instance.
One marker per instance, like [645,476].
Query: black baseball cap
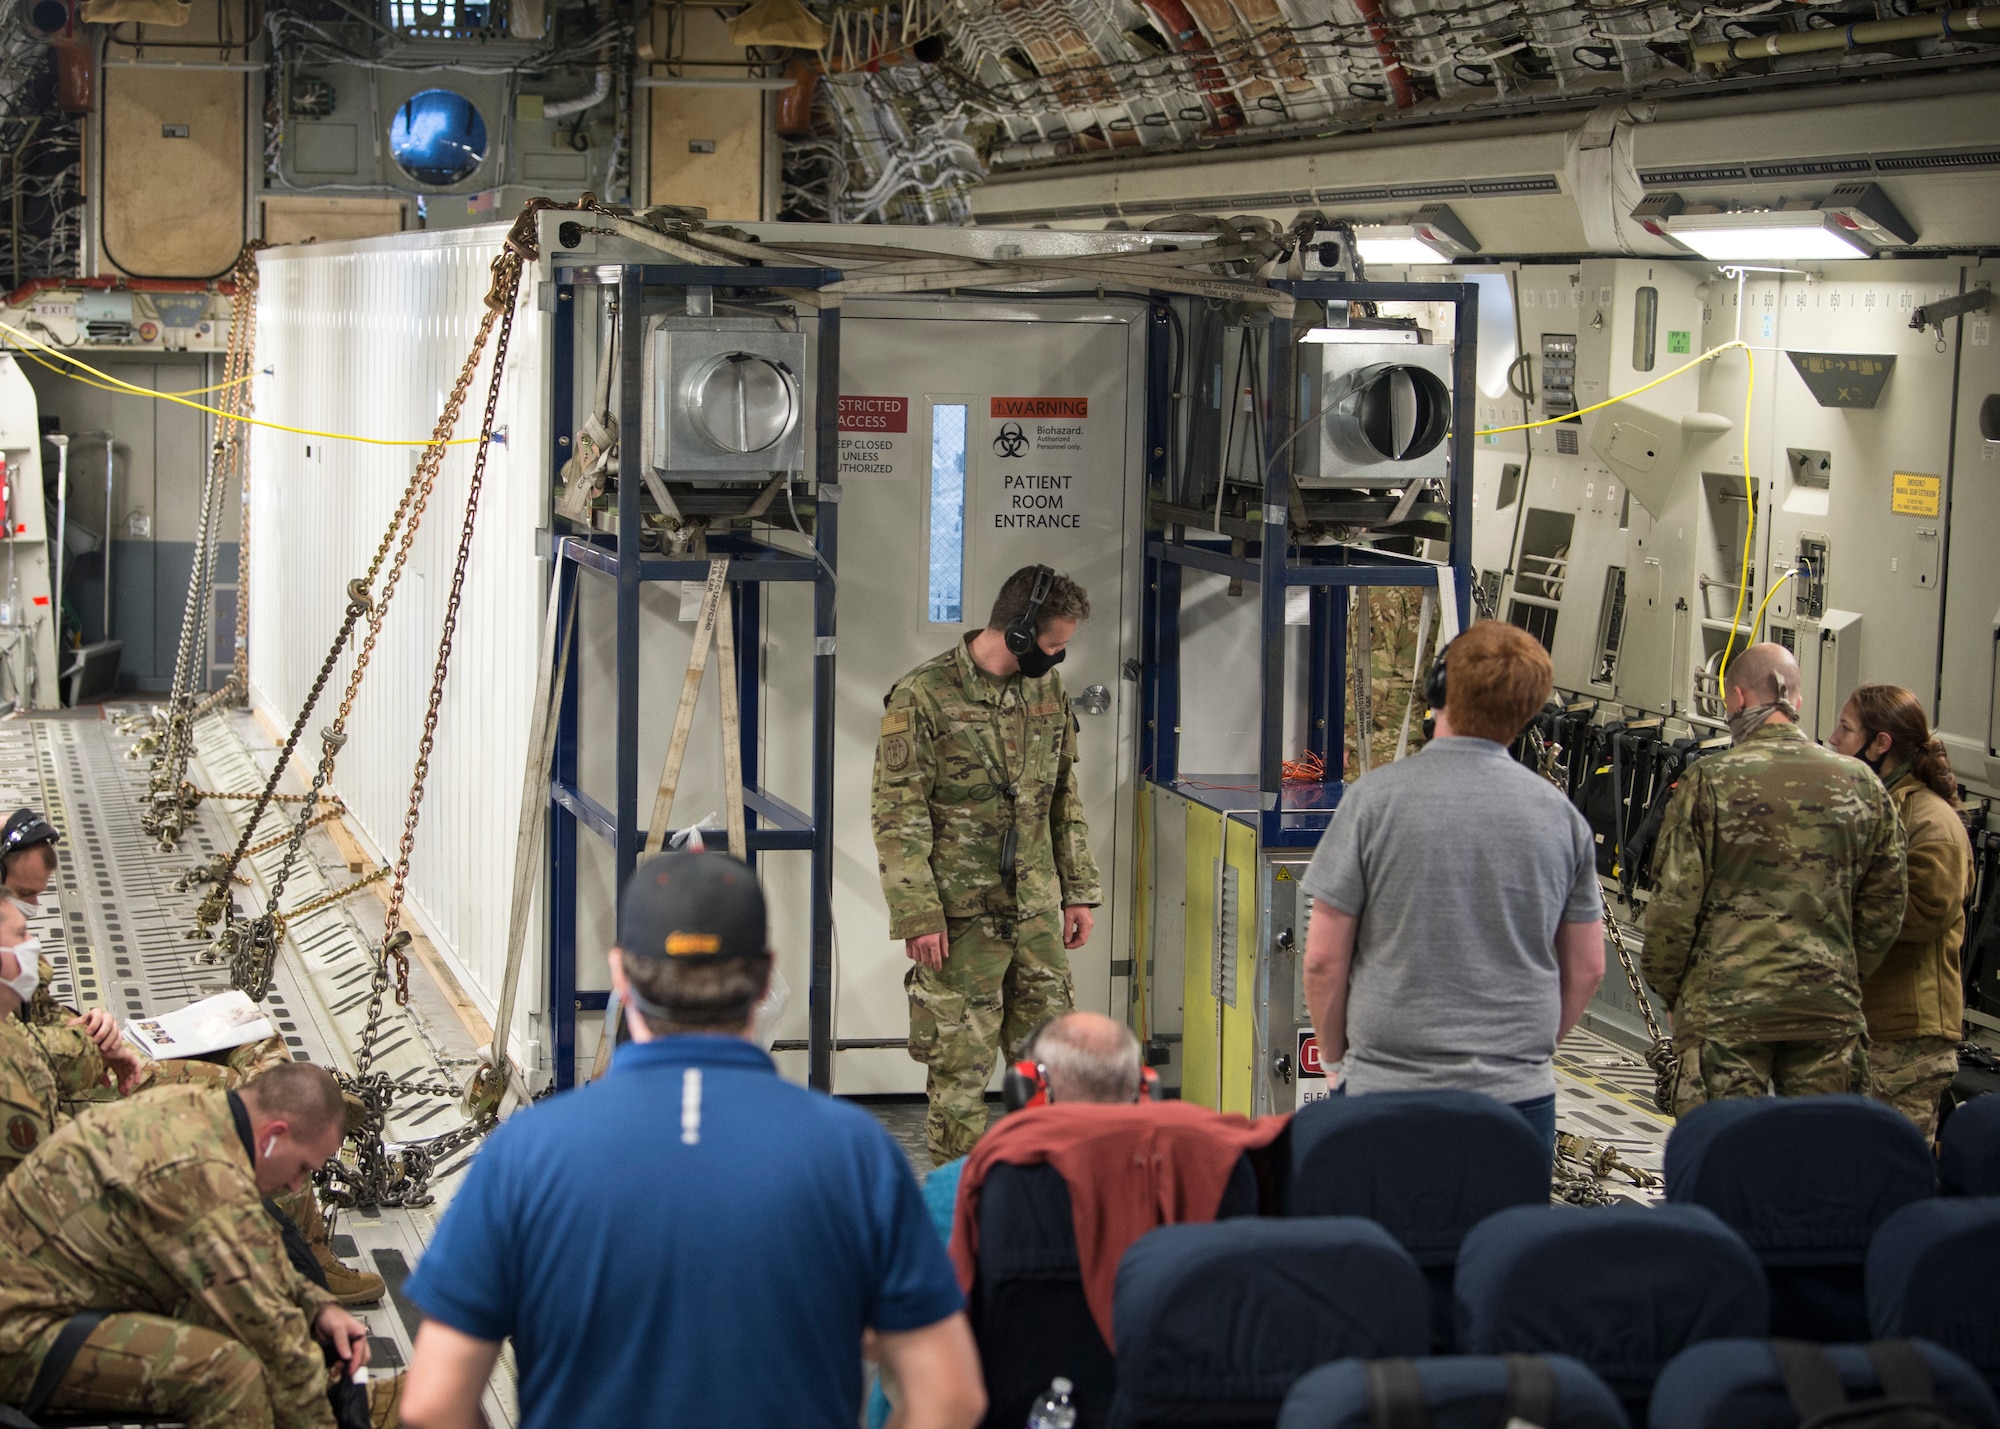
[692,905]
[25,828]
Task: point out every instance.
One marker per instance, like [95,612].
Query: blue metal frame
[1291,815]
[772,823]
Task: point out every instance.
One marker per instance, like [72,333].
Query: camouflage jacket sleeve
[905,775]
[78,1066]
[208,1228]
[1882,889]
[1069,835]
[1680,878]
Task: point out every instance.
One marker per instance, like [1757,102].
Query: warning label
[874,414]
[1016,408]
[873,432]
[1312,1071]
[1915,494]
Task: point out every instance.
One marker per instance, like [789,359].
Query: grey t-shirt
[1458,863]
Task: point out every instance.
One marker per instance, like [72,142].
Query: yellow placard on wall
[1915,494]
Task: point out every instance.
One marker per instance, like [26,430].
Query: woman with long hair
[1915,1001]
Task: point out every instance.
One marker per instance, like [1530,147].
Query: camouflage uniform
[953,740]
[149,1208]
[50,1070]
[1778,885]
[1394,613]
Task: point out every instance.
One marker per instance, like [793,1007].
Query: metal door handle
[1093,699]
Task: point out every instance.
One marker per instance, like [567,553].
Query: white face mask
[29,953]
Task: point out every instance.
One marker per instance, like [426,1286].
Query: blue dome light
[438,137]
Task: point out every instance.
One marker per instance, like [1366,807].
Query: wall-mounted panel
[173,171]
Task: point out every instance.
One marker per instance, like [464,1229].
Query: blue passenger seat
[1622,1288]
[1453,1392]
[1742,1384]
[1805,1181]
[1969,1149]
[1426,1166]
[1028,1309]
[1934,1274]
[1215,1322]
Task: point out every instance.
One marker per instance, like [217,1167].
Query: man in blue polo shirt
[691,1240]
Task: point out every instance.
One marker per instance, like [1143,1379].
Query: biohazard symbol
[22,1134]
[1012,441]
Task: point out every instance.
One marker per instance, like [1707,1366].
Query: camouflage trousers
[1000,981]
[1714,1071]
[1911,1075]
[148,1365]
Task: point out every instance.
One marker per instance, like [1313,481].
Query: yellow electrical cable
[1749,517]
[101,387]
[1749,490]
[120,385]
[1713,352]
[1766,602]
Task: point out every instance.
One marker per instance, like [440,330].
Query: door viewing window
[947,514]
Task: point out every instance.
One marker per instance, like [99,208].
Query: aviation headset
[1434,690]
[1026,1082]
[1022,630]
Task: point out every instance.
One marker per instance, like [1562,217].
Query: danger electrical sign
[1312,1070]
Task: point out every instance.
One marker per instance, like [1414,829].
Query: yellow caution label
[1283,875]
[1916,494]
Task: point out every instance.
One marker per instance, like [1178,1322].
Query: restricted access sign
[874,435]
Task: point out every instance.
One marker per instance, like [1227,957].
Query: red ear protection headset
[1027,1084]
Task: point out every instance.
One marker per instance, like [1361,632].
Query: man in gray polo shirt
[1457,929]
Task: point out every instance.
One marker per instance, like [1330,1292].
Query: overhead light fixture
[1854,221]
[1434,236]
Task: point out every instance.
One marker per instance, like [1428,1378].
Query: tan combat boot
[346,1283]
[385,1400]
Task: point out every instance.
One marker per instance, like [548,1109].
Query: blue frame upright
[1295,814]
[772,823]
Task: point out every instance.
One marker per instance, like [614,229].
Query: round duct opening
[438,137]
[1389,412]
[744,403]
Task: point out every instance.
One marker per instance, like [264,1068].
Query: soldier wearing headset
[984,855]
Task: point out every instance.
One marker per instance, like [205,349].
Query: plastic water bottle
[1054,1410]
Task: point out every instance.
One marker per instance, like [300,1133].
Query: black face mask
[1038,662]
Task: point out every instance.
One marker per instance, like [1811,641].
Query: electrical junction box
[1386,411]
[725,399]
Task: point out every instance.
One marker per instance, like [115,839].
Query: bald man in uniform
[1779,883]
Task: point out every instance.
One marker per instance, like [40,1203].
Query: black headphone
[1022,630]
[1434,679]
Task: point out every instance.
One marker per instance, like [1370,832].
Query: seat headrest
[1934,1273]
[1805,1180]
[1460,1392]
[1736,1384]
[1969,1149]
[1426,1166]
[1231,1313]
[1622,1288]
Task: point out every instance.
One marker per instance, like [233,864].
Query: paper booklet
[215,1024]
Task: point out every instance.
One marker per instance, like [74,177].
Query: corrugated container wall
[367,338]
